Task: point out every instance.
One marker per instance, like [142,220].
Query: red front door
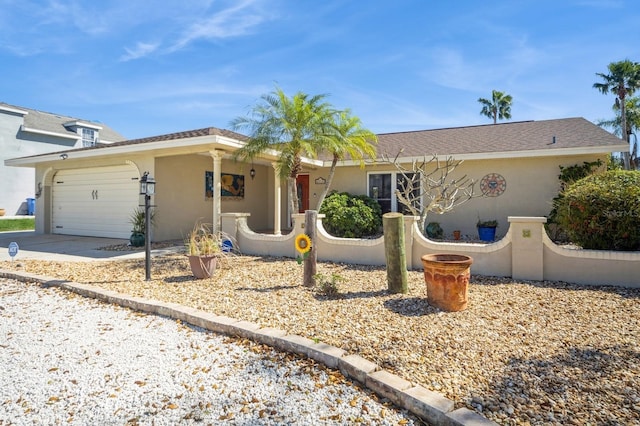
[302,185]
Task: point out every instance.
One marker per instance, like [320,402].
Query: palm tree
[623,80]
[296,126]
[348,138]
[632,118]
[498,108]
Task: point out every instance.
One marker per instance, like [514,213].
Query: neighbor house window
[88,137]
[382,187]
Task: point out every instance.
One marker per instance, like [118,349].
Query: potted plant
[434,230]
[138,230]
[487,229]
[204,248]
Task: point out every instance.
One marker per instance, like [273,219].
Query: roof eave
[13,110]
[80,123]
[504,154]
[169,147]
[26,129]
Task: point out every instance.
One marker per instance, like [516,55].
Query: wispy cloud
[139,51]
[234,21]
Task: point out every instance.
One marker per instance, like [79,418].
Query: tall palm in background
[498,108]
[632,118]
[348,138]
[297,126]
[623,80]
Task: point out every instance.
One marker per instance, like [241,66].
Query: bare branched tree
[428,186]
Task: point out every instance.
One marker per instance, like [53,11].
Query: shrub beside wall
[602,211]
[351,216]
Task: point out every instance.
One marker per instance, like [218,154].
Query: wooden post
[393,225]
[310,263]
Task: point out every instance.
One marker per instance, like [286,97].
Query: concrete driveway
[62,247]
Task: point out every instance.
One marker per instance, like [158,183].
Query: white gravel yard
[70,360]
[538,353]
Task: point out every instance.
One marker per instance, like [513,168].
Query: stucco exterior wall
[532,183]
[181,201]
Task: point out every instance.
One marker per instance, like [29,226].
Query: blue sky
[150,67]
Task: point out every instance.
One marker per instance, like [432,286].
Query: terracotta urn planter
[447,278]
[2,212]
[203,266]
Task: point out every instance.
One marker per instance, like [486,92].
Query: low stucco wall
[592,267]
[524,253]
[488,259]
[349,250]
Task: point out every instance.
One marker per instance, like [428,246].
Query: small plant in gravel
[328,286]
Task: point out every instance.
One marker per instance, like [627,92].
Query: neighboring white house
[94,190]
[24,132]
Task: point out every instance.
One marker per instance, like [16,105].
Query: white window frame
[85,140]
[394,179]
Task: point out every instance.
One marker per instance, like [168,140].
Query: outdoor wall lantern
[147,184]
[252,172]
[147,188]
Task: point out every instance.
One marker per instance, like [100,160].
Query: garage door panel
[96,202]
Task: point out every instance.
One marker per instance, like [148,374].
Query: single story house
[25,131]
[94,190]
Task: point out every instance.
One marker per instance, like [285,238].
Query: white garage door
[95,202]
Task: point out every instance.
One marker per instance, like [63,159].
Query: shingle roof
[504,137]
[483,140]
[207,131]
[55,123]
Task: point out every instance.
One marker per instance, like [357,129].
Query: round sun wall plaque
[493,185]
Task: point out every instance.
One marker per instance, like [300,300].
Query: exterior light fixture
[147,184]
[147,188]
[64,156]
[252,172]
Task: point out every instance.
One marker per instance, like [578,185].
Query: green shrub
[351,216]
[568,175]
[602,211]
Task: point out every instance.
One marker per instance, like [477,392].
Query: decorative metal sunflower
[303,243]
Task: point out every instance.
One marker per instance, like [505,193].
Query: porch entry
[302,185]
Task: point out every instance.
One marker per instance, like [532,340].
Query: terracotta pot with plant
[205,248]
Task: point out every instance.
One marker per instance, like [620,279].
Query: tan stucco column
[527,252]
[217,198]
[277,207]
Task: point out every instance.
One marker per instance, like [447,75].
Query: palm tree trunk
[332,171]
[625,135]
[293,195]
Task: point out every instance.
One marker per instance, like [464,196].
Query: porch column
[277,208]
[217,167]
